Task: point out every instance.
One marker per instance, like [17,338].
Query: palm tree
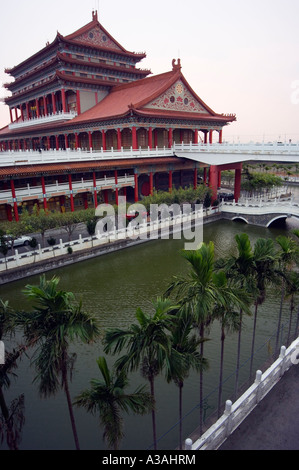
[265,264]
[184,356]
[292,288]
[199,292]
[108,398]
[55,321]
[240,269]
[148,345]
[288,256]
[12,419]
[230,320]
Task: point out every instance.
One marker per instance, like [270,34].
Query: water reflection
[112,287]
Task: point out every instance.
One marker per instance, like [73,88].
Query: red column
[85,201]
[211,137]
[151,181]
[118,139]
[76,141]
[71,193]
[53,103]
[37,107]
[213,181]
[90,139]
[44,193]
[220,137]
[22,113]
[16,113]
[170,181]
[15,205]
[136,187]
[134,138]
[57,142]
[196,136]
[78,102]
[104,140]
[169,138]
[206,138]
[238,174]
[106,199]
[10,113]
[150,138]
[66,141]
[195,178]
[116,187]
[27,110]
[45,106]
[63,100]
[95,190]
[8,212]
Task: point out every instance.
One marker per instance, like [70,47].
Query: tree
[265,264]
[55,321]
[288,257]
[199,292]
[229,318]
[4,247]
[52,242]
[147,343]
[184,356]
[108,398]
[38,222]
[12,417]
[239,268]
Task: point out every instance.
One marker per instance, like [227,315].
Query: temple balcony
[31,192]
[49,118]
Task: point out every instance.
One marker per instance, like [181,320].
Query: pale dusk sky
[239,57]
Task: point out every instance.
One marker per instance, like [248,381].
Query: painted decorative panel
[96,36]
[177,98]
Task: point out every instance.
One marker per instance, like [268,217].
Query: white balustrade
[236,413]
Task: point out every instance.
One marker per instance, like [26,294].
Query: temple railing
[60,116]
[256,152]
[33,192]
[31,157]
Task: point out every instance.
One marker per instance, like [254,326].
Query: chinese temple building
[88,125]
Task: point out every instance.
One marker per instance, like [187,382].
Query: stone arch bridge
[259,213]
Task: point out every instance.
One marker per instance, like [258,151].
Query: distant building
[88,125]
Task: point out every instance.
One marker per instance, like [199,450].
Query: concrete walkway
[274,423]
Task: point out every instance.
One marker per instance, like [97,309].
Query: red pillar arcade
[95,190]
[195,178]
[213,181]
[237,193]
[116,187]
[15,205]
[136,187]
[170,181]
[44,193]
[151,181]
[118,139]
[134,138]
[71,193]
[150,138]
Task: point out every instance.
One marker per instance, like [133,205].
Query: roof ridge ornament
[176,66]
[94,15]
